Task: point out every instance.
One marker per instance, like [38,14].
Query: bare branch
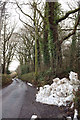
[38,11]
[25,23]
[10,34]
[73,32]
[67,14]
[24,12]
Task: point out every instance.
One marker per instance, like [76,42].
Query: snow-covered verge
[60,92]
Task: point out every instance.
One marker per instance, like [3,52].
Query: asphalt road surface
[18,101]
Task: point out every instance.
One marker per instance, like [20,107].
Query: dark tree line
[47,46]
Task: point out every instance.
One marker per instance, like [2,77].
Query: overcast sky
[14,18]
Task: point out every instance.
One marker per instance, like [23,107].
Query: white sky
[14,64]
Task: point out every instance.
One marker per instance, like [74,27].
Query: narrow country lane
[18,101]
[12,99]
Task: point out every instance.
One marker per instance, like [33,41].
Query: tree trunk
[56,54]
[46,54]
[34,58]
[59,57]
[4,45]
[53,34]
[38,53]
[79,51]
[7,68]
[73,54]
[78,47]
[36,37]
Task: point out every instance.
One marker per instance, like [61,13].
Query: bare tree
[25,46]
[7,45]
[2,12]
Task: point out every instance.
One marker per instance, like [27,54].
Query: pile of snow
[60,91]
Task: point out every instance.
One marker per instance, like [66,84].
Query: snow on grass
[60,91]
[29,84]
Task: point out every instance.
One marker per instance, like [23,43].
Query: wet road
[0,104]
[12,99]
[18,101]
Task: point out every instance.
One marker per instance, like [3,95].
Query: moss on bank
[29,77]
[42,78]
[6,80]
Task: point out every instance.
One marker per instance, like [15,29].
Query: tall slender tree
[36,31]
[78,54]
[53,28]
[46,54]
[73,53]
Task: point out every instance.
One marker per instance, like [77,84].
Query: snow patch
[29,84]
[73,78]
[75,114]
[33,117]
[60,92]
[37,88]
[69,118]
[72,106]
